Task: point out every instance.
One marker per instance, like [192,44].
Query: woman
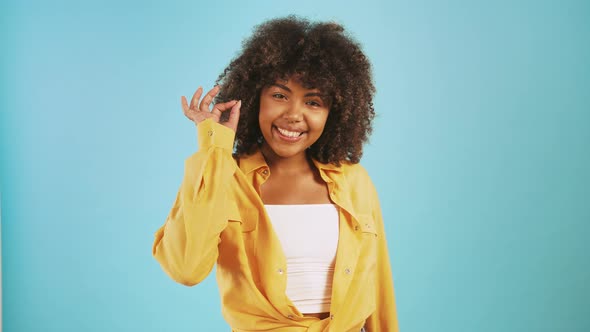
[291,218]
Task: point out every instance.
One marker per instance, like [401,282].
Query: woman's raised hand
[198,112]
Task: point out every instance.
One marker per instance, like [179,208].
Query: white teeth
[289,133]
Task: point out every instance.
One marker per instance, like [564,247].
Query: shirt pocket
[367,225]
[248,218]
[368,245]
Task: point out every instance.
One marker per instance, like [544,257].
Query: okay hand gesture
[202,112]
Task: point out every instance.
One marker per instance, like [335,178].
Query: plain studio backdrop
[480,155]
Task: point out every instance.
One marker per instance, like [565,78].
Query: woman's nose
[294,113]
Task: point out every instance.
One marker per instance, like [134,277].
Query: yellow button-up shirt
[218,216]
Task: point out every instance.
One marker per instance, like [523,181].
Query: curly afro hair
[322,56]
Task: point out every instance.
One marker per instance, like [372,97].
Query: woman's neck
[296,164]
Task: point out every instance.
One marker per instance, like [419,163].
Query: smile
[287,135]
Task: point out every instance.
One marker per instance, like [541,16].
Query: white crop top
[309,238]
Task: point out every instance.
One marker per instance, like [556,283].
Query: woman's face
[291,117]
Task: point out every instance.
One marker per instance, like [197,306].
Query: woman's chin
[284,152]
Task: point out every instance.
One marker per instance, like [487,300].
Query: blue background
[481,156]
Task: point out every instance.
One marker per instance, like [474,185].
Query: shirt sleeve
[385,317]
[186,246]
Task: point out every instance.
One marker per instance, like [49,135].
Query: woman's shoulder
[353,172]
[353,169]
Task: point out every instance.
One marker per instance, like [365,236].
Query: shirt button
[347,270]
[265,172]
[280,271]
[210,133]
[332,317]
[356,228]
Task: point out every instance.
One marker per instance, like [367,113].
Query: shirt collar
[255,161]
[252,162]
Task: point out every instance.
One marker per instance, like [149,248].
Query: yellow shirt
[218,216]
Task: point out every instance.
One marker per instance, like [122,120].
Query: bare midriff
[320,315]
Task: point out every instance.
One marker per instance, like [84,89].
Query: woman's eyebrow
[284,87]
[309,94]
[315,94]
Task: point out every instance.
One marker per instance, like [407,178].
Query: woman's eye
[278,95]
[314,103]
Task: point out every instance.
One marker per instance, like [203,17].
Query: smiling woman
[292,118]
[275,195]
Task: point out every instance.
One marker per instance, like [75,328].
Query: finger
[190,114]
[204,106]
[196,97]
[218,108]
[234,116]
[184,104]
[187,112]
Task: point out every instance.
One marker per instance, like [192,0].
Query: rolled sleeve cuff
[211,133]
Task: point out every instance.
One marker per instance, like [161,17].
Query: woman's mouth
[287,135]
